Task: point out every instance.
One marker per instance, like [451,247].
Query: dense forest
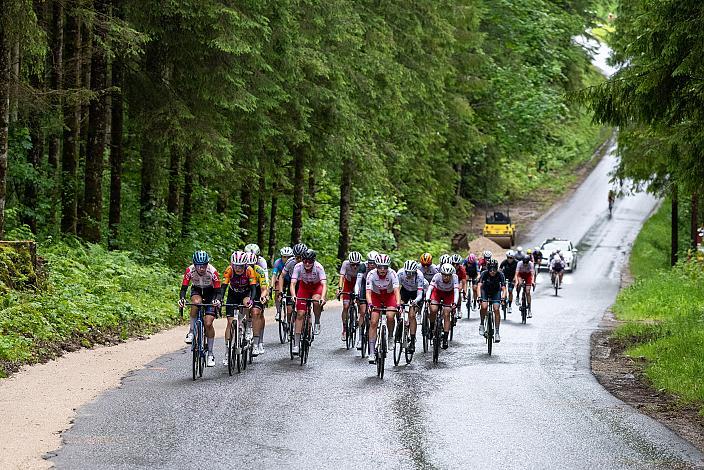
[656,100]
[161,126]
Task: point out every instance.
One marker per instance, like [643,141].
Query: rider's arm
[430,291]
[340,282]
[358,285]
[420,285]
[292,287]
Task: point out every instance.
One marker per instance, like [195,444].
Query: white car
[567,250]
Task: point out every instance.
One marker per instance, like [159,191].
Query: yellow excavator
[499,229]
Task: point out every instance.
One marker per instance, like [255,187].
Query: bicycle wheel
[304,340]
[557,283]
[230,350]
[490,330]
[469,305]
[283,326]
[425,329]
[453,321]
[524,308]
[406,340]
[381,352]
[436,337]
[238,349]
[291,335]
[365,337]
[245,354]
[196,353]
[398,341]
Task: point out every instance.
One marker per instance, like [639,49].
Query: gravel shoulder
[39,402]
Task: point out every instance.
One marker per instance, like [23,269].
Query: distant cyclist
[472,268]
[493,290]
[524,272]
[412,286]
[360,291]
[261,262]
[557,268]
[508,268]
[308,281]
[444,288]
[612,199]
[205,288]
[348,279]
[427,268]
[286,253]
[382,289]
[537,259]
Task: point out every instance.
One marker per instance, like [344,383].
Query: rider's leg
[195,299]
[446,311]
[373,324]
[497,316]
[210,331]
[257,323]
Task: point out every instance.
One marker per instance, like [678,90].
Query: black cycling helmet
[299,249]
[493,265]
[309,255]
[200,258]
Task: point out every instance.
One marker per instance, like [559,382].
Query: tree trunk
[297,221]
[147,198]
[72,122]
[187,193]
[221,202]
[345,192]
[116,153]
[272,221]
[246,208]
[261,211]
[86,52]
[311,192]
[4,119]
[15,59]
[95,150]
[694,220]
[674,221]
[174,173]
[55,67]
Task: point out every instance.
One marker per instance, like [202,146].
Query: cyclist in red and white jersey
[284,279]
[524,271]
[348,279]
[456,262]
[412,288]
[205,288]
[308,281]
[443,288]
[360,291]
[382,291]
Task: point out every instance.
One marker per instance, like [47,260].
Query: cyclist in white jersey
[443,288]
[382,291]
[348,279]
[412,286]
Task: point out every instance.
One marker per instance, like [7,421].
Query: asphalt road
[533,404]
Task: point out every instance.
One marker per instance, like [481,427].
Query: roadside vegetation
[663,313]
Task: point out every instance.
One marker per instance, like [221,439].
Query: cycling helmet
[519,249]
[557,251]
[447,269]
[355,257]
[252,258]
[200,257]
[410,266]
[509,254]
[455,259]
[493,265]
[286,251]
[371,256]
[309,255]
[299,249]
[426,259]
[444,259]
[487,254]
[472,258]
[238,258]
[529,251]
[383,260]
[252,248]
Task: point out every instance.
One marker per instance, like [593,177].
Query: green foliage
[92,296]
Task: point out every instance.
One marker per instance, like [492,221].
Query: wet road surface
[533,404]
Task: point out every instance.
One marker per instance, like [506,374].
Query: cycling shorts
[558,268]
[408,295]
[208,295]
[492,297]
[307,291]
[234,297]
[510,285]
[257,300]
[447,297]
[528,277]
[347,286]
[387,299]
[475,280]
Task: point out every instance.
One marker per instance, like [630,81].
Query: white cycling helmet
[455,259]
[371,256]
[447,269]
[410,266]
[488,254]
[519,249]
[510,254]
[286,251]
[444,259]
[252,248]
[238,258]
[355,257]
[382,259]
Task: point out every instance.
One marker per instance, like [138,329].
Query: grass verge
[663,314]
[90,296]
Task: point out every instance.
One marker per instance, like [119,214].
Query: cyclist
[443,288]
[412,286]
[286,253]
[537,259]
[205,288]
[472,268]
[456,262]
[518,255]
[241,285]
[427,268]
[308,280]
[508,269]
[360,291]
[382,289]
[348,278]
[492,285]
[524,271]
[285,277]
[484,260]
[557,268]
[612,198]
[259,300]
[261,262]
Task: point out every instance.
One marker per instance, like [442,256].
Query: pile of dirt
[481,244]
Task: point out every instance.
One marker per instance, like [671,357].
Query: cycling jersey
[461,273]
[472,269]
[239,282]
[447,292]
[278,267]
[429,271]
[412,282]
[537,256]
[288,267]
[316,275]
[361,286]
[349,271]
[211,278]
[557,264]
[378,284]
[261,262]
[509,269]
[438,283]
[260,276]
[524,267]
[491,285]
